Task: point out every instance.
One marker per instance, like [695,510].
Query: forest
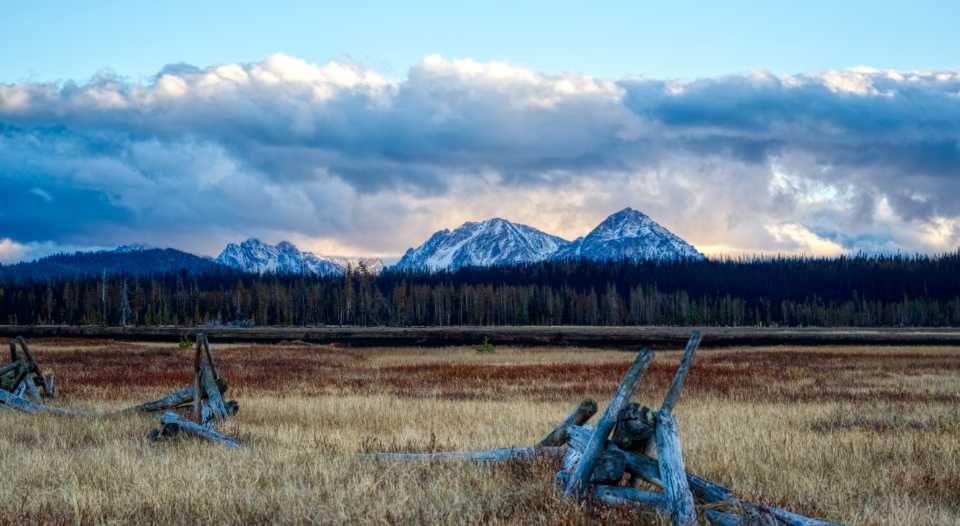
[860,291]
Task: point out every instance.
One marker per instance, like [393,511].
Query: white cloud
[336,155]
[803,240]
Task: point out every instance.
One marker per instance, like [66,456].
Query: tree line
[787,291]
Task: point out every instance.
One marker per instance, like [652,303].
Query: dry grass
[857,435]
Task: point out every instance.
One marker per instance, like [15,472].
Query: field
[860,435]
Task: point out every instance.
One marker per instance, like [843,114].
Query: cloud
[336,155]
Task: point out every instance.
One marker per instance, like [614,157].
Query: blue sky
[360,129]
[49,40]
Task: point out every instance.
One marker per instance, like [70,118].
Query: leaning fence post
[197,381]
[676,385]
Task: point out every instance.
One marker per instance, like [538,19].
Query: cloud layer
[342,160]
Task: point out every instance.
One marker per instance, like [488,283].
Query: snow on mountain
[629,234]
[486,243]
[254,255]
[373,265]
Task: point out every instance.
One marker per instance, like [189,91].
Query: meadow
[854,434]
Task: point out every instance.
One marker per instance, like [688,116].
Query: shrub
[486,347]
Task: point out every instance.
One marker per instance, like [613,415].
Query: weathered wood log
[50,385]
[580,477]
[210,362]
[31,389]
[676,386]
[481,457]
[13,375]
[579,416]
[634,428]
[721,518]
[32,368]
[183,425]
[792,519]
[622,496]
[9,368]
[26,406]
[683,512]
[705,491]
[609,468]
[172,400]
[197,380]
[570,458]
[217,409]
[22,374]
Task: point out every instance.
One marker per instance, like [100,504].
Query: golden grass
[856,435]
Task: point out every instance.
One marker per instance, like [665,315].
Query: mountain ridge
[130,259]
[494,241]
[626,234]
[253,255]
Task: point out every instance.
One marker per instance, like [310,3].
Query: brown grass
[857,435]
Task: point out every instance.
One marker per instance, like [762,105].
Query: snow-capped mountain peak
[630,234]
[494,241]
[627,234]
[254,255]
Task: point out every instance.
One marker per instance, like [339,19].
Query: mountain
[256,256]
[373,265]
[491,242]
[130,259]
[629,234]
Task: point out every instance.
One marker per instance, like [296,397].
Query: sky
[359,129]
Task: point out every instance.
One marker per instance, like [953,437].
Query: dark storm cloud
[283,146]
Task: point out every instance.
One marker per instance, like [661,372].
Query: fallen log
[609,469]
[622,496]
[792,519]
[676,489]
[580,477]
[705,491]
[9,368]
[583,412]
[31,388]
[481,457]
[721,518]
[173,424]
[172,400]
[26,406]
